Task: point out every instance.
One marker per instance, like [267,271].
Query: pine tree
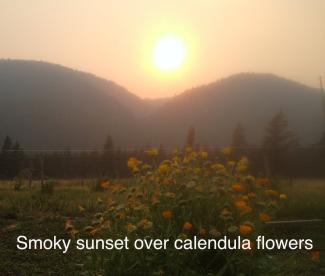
[108,157]
[278,141]
[190,137]
[238,137]
[7,145]
[108,146]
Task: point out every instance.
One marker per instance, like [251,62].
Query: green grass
[30,213]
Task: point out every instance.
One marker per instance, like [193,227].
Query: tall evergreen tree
[278,141]
[239,137]
[108,157]
[190,139]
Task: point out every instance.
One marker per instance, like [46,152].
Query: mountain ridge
[82,109]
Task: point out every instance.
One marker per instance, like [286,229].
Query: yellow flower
[203,154]
[152,152]
[231,164]
[226,151]
[81,209]
[132,163]
[167,214]
[283,196]
[245,229]
[187,226]
[163,168]
[218,167]
[237,187]
[264,217]
[242,165]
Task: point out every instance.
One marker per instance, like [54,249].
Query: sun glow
[169,53]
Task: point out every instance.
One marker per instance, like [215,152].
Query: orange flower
[264,217]
[251,195]
[104,184]
[272,193]
[245,229]
[187,226]
[237,187]
[167,214]
[240,204]
[246,210]
[130,228]
[262,181]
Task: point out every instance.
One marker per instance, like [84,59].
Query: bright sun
[169,53]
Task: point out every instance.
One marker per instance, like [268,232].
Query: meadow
[189,194]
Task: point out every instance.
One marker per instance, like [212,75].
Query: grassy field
[40,215]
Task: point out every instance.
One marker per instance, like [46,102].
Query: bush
[184,196]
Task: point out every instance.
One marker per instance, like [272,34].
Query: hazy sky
[115,39]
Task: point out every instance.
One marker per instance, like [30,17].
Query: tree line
[279,155]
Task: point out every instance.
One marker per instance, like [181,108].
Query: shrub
[184,196]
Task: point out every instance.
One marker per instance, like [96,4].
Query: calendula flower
[214,233]
[226,151]
[167,214]
[187,226]
[283,196]
[130,228]
[272,193]
[132,163]
[203,154]
[163,168]
[245,229]
[145,224]
[246,210]
[81,209]
[225,212]
[264,217]
[104,184]
[262,181]
[218,167]
[237,187]
[242,165]
[240,204]
[152,152]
